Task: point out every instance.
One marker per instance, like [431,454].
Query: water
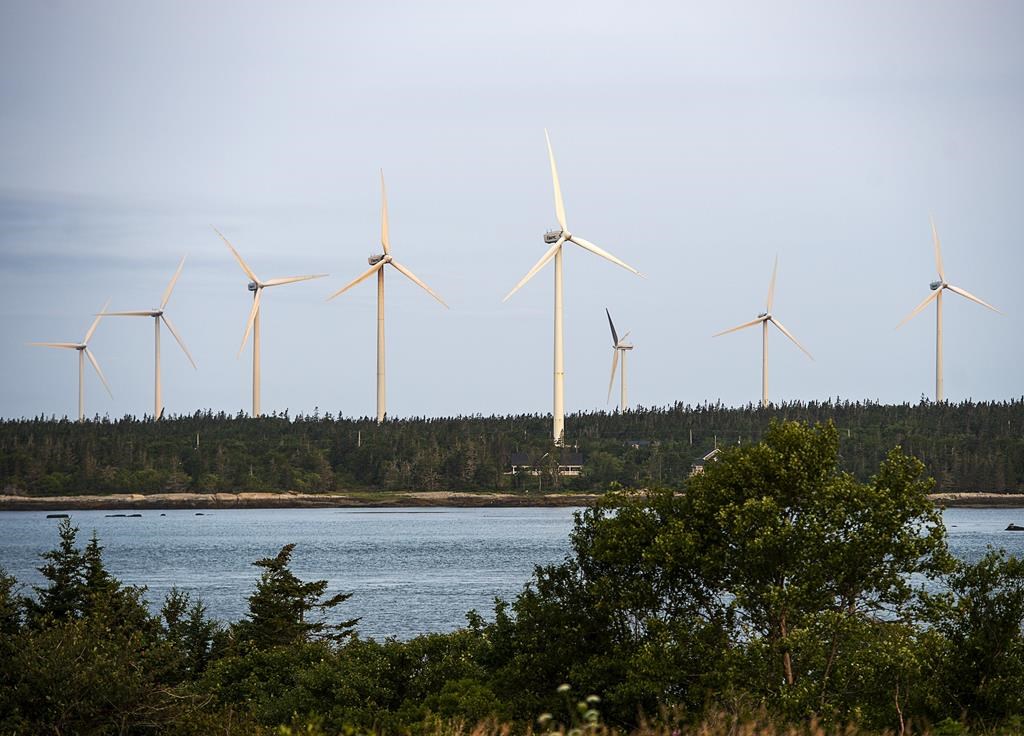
[411,571]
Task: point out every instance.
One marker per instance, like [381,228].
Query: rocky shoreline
[391,499]
[288,500]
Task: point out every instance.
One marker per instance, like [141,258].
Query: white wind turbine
[937,288]
[157,315]
[377,263]
[558,238]
[253,323]
[763,319]
[619,345]
[83,353]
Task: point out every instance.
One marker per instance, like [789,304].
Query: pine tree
[280,607]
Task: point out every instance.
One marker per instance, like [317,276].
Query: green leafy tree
[788,538]
[282,608]
[776,574]
[977,656]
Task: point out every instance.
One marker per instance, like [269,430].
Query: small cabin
[571,464]
[698,466]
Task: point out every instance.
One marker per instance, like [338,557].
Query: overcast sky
[696,141]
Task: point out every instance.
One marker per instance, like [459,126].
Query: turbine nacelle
[552,236]
[764,315]
[253,286]
[934,285]
[375,259]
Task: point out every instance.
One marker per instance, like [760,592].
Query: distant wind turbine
[937,288]
[619,345]
[157,315]
[763,319]
[253,323]
[558,238]
[377,263]
[83,353]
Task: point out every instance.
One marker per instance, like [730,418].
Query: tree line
[777,589]
[967,446]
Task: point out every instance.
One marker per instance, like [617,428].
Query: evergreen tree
[280,608]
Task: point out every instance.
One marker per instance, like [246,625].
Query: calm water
[411,571]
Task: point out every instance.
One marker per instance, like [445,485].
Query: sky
[695,141]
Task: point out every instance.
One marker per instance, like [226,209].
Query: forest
[778,595]
[967,446]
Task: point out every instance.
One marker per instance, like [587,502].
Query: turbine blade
[245,267]
[92,359]
[611,381]
[587,245]
[789,334]
[70,345]
[615,337]
[367,274]
[623,340]
[292,279]
[178,338]
[938,250]
[559,205]
[139,313]
[252,319]
[95,323]
[918,308]
[412,277]
[384,240]
[771,286]
[537,266]
[970,296]
[170,286]
[751,323]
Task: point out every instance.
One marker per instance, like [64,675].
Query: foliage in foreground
[777,590]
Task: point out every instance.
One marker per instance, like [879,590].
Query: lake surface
[411,571]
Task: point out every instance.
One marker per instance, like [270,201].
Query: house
[698,466]
[571,464]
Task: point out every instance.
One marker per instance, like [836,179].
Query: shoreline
[390,499]
[252,500]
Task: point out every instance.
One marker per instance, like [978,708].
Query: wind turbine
[937,288]
[83,353]
[618,346]
[763,319]
[157,315]
[377,263]
[558,238]
[253,323]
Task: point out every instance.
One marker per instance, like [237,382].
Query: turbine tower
[253,323]
[618,346]
[158,314]
[558,238]
[763,319]
[83,353]
[377,263]
[937,288]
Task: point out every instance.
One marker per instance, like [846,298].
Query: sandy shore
[380,500]
[288,500]
[979,500]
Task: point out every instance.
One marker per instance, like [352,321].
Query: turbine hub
[253,286]
[936,285]
[552,236]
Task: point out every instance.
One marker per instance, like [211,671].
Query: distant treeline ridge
[969,446]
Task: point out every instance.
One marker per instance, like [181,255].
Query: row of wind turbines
[555,238]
